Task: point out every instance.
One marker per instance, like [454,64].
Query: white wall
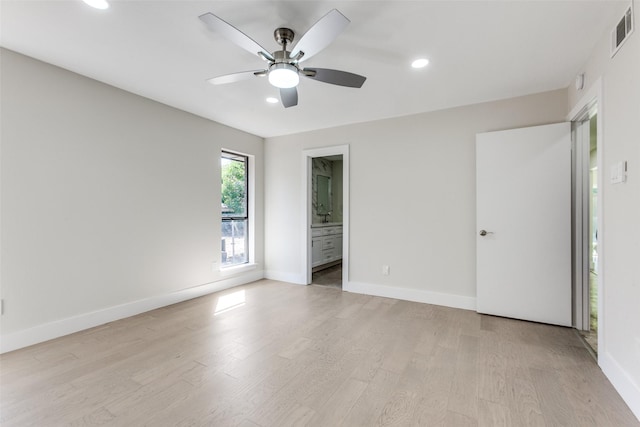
[619,111]
[108,199]
[412,197]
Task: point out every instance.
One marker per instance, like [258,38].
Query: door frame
[593,97]
[307,156]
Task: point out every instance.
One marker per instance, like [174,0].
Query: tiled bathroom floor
[331,277]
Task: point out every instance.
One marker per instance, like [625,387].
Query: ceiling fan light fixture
[283,76]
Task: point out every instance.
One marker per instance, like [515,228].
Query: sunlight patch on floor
[229,302]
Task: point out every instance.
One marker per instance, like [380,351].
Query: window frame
[248,211]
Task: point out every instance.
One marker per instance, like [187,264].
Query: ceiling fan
[284,67]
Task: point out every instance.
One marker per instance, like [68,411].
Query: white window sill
[238,269]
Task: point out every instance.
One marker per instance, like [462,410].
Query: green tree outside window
[234,194]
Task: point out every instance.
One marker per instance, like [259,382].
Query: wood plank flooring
[290,355]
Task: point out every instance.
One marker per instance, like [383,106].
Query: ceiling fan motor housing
[282,56]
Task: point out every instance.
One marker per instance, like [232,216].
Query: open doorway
[591,335]
[326,220]
[326,207]
[586,225]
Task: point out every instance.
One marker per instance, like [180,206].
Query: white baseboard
[51,330]
[622,382]
[286,277]
[417,295]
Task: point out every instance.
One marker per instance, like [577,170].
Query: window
[235,220]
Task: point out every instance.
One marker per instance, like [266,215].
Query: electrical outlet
[214,266]
[385,270]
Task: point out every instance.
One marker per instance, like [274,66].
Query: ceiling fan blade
[234,35]
[289,97]
[236,77]
[321,34]
[335,77]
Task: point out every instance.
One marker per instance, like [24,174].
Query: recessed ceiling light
[420,63]
[272,100]
[98,4]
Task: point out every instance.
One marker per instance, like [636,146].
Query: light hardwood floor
[289,355]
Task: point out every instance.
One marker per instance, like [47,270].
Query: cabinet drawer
[328,231]
[338,246]
[316,232]
[328,243]
[328,255]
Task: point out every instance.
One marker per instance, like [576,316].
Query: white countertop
[325,224]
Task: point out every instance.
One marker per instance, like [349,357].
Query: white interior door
[523,202]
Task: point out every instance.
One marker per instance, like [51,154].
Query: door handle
[485,232]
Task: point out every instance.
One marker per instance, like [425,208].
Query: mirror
[323,191]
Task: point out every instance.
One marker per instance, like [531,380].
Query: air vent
[622,31]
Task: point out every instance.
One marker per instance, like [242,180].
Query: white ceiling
[479,51]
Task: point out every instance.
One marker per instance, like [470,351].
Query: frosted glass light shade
[283,76]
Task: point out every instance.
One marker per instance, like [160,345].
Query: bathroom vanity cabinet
[326,243]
